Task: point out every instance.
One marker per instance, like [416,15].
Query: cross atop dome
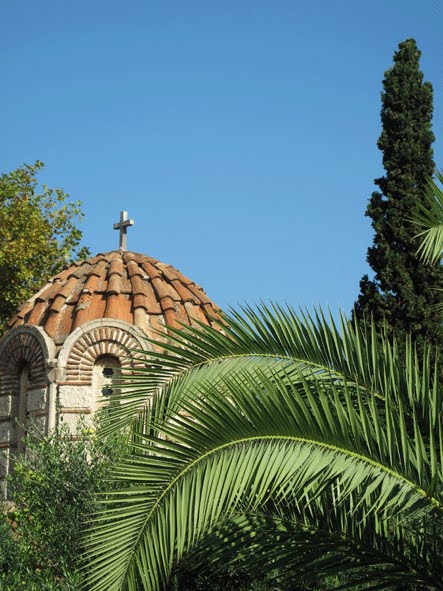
[123,226]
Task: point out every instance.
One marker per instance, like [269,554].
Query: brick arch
[95,343]
[20,347]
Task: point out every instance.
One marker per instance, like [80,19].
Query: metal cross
[123,227]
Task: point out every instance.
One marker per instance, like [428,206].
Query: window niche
[21,407]
[107,372]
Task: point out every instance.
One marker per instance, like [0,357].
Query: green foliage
[236,577]
[51,494]
[39,236]
[403,291]
[279,442]
[428,216]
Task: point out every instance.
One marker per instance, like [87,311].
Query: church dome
[119,285]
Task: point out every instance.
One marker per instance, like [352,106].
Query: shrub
[51,494]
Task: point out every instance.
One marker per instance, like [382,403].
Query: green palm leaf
[283,418]
[429,216]
[272,543]
[309,345]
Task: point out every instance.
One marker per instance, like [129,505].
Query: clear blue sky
[239,134]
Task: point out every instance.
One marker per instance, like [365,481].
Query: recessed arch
[25,344]
[97,339]
[25,353]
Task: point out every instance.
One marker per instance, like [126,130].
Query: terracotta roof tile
[16,321]
[25,308]
[167,303]
[116,285]
[64,326]
[50,292]
[152,303]
[183,292]
[75,294]
[89,307]
[68,287]
[96,309]
[140,301]
[96,259]
[92,283]
[126,285]
[80,270]
[139,285]
[150,269]
[119,307]
[134,269]
[112,306]
[182,278]
[64,274]
[199,294]
[167,270]
[99,269]
[171,290]
[58,303]
[37,313]
[52,322]
[116,266]
[82,310]
[160,287]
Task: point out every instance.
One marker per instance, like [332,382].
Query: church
[64,346]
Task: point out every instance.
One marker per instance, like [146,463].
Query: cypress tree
[402,294]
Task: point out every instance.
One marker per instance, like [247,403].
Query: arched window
[21,414]
[107,371]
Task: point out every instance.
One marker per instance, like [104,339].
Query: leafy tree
[51,495]
[39,235]
[279,440]
[402,293]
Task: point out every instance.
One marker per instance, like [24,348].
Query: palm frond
[341,450]
[270,543]
[302,344]
[429,216]
[248,476]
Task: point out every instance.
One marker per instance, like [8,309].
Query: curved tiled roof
[122,285]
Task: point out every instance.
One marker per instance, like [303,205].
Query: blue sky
[239,134]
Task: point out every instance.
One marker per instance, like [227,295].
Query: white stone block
[7,404]
[36,400]
[7,431]
[76,396]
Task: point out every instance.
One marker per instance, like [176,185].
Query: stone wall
[60,385]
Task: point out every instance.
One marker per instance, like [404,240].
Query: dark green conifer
[402,294]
